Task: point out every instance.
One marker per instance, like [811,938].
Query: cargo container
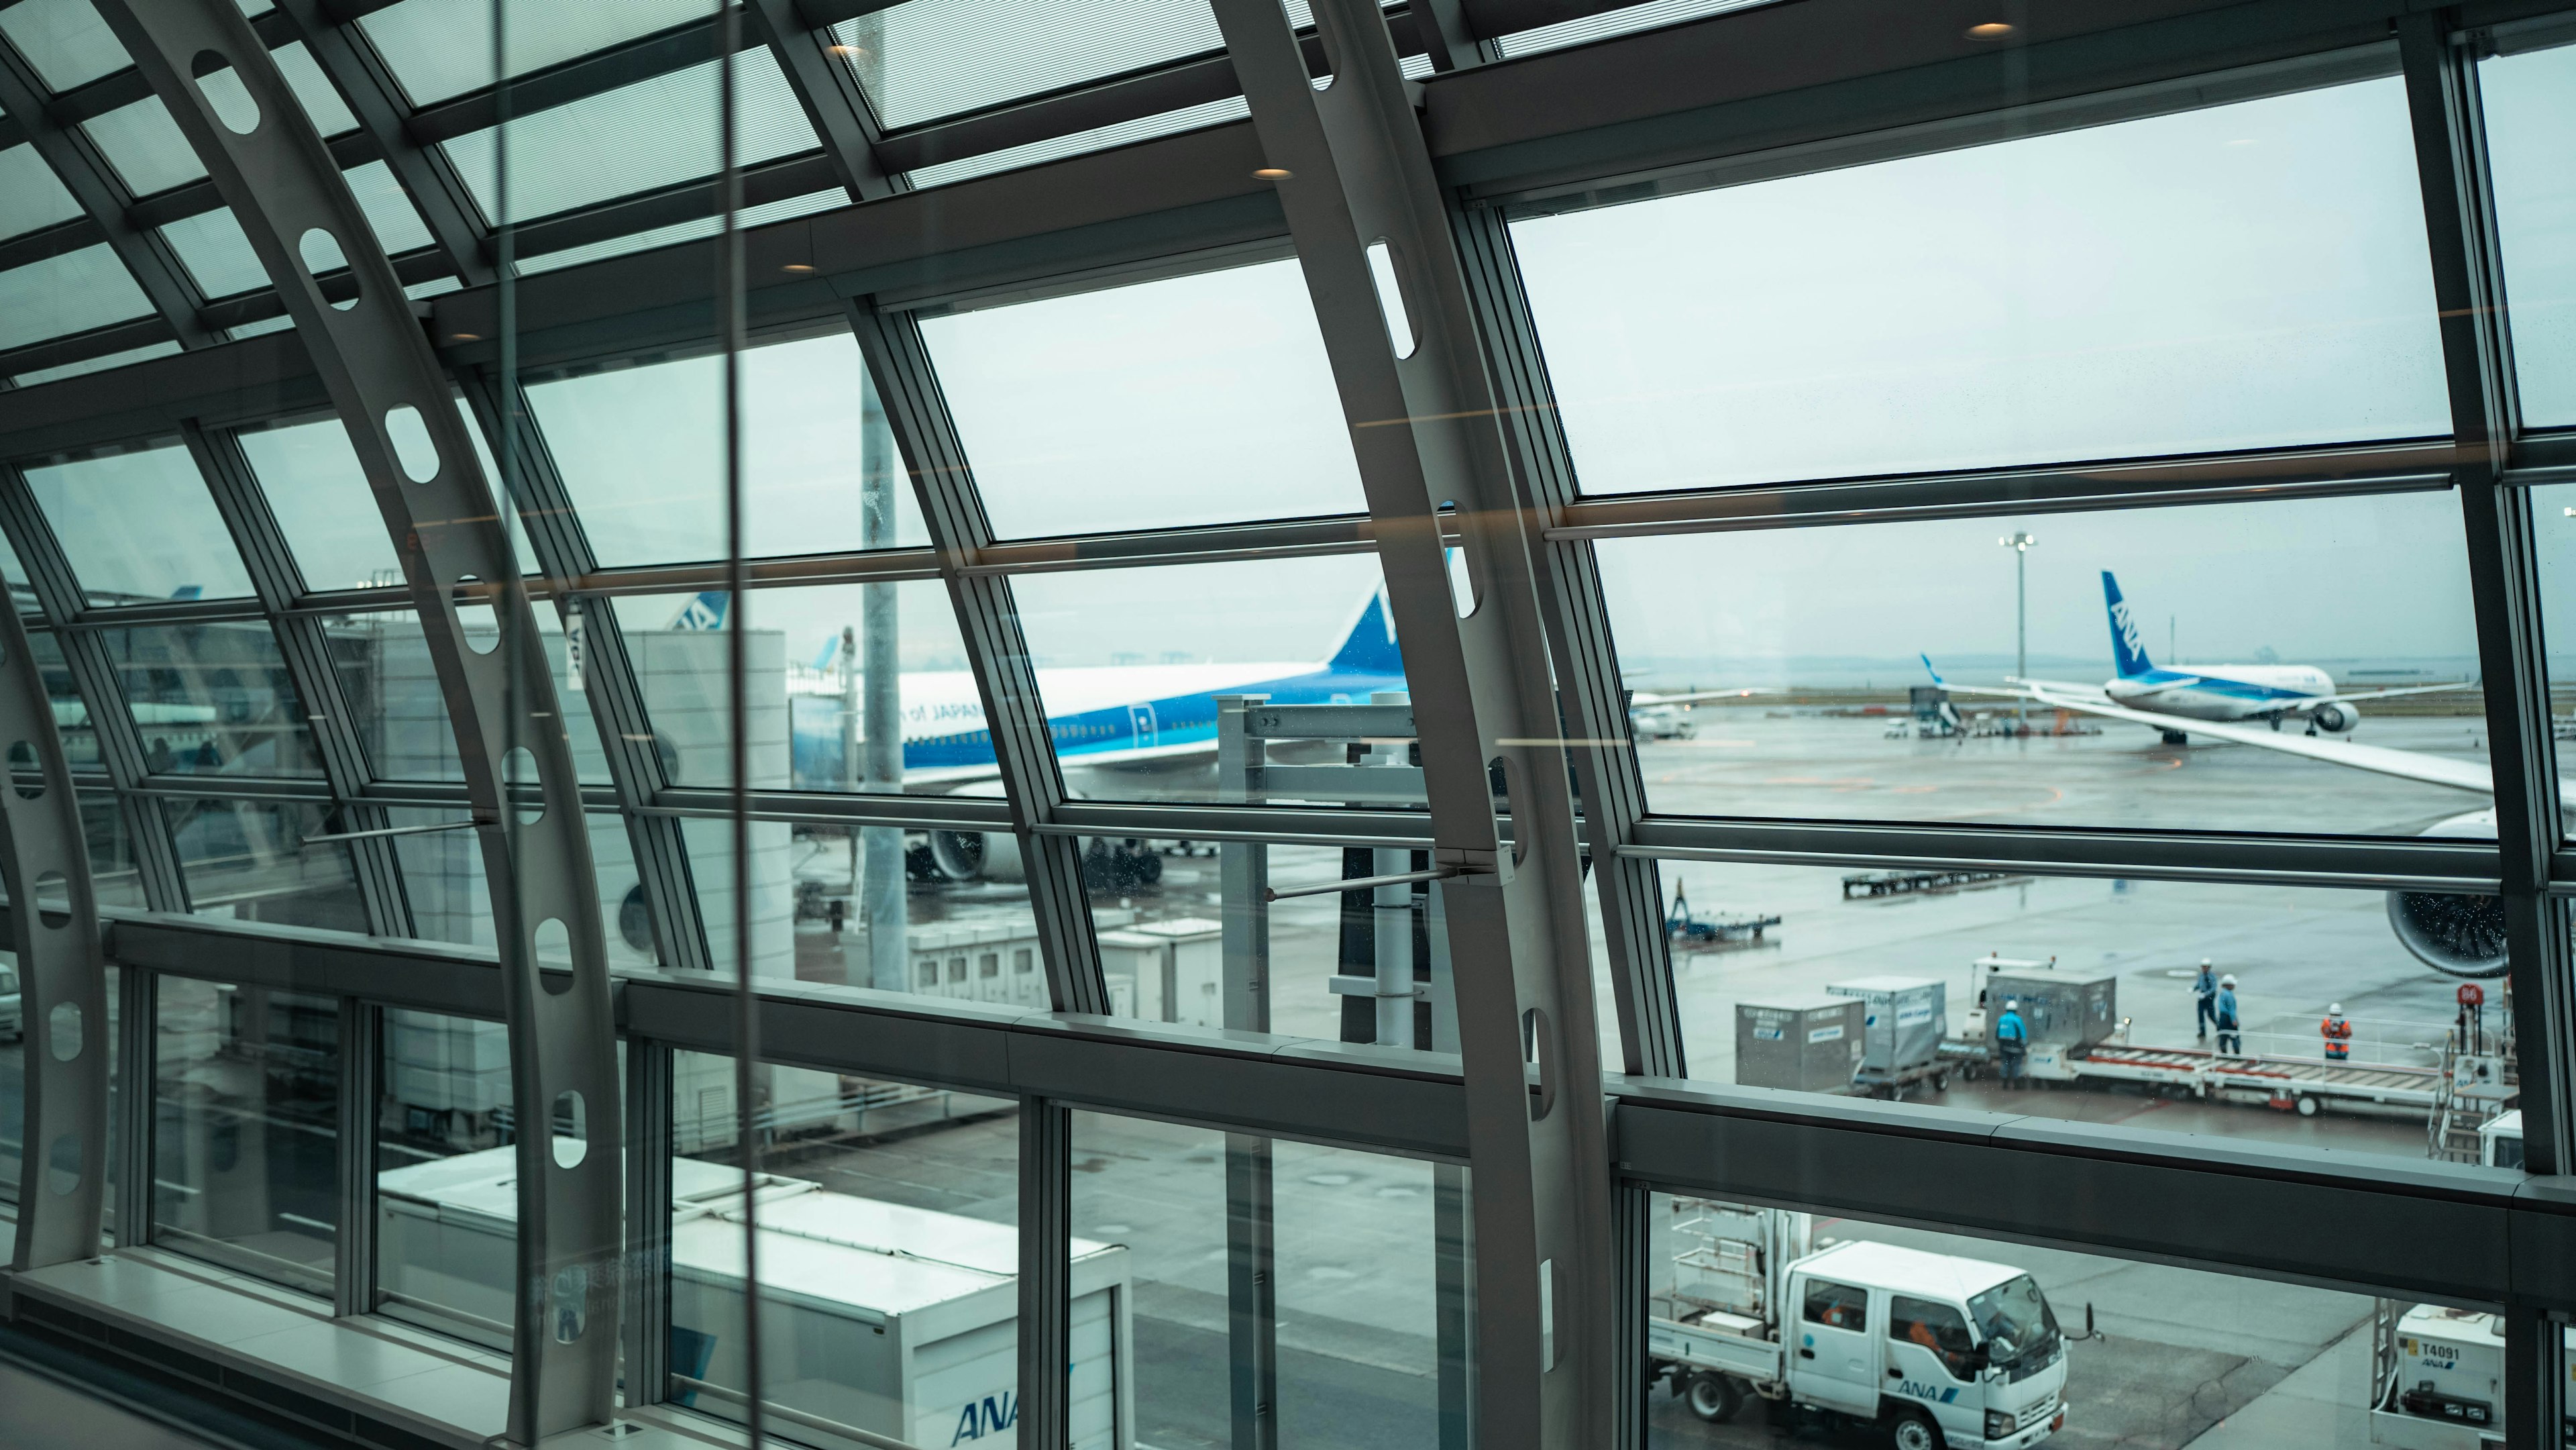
[1903,1020]
[1802,1041]
[1166,971]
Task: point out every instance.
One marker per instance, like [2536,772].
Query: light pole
[2019,542]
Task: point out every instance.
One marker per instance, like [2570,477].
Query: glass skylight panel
[31,196]
[388,207]
[319,497]
[924,59]
[321,99]
[1099,138]
[1623,21]
[145,146]
[637,138]
[1191,400]
[139,527]
[2530,104]
[2246,276]
[443,48]
[96,364]
[70,293]
[640,451]
[65,40]
[216,253]
[691,230]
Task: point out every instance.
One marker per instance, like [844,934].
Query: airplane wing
[2380,759]
[1648,697]
[2408,690]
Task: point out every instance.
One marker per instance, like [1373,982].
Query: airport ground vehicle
[1940,1350]
[895,1320]
[2437,1378]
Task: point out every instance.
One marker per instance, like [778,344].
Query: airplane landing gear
[2176,737]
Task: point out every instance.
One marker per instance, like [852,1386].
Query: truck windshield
[2014,1319]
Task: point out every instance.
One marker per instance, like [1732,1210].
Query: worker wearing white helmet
[2012,1043]
[2338,1034]
[2231,1041]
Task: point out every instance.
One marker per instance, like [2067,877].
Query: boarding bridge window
[2102,669]
[2093,292]
[1836,1306]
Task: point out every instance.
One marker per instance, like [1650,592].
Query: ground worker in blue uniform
[2338,1034]
[2204,992]
[2012,1043]
[2231,1041]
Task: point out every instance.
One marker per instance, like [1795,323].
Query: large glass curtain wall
[2042,636]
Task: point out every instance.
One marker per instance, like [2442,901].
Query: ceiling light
[1272,173]
[798,268]
[1991,30]
[465,337]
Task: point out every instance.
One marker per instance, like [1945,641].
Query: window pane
[889,1214]
[638,138]
[140,526]
[2553,514]
[2182,1356]
[447,1211]
[810,702]
[1195,400]
[1827,709]
[442,48]
[63,295]
[114,877]
[391,689]
[1368,1258]
[1130,683]
[31,196]
[2247,276]
[64,40]
[1897,983]
[145,146]
[213,699]
[641,452]
[246,1083]
[451,900]
[319,496]
[247,860]
[2530,103]
[71,715]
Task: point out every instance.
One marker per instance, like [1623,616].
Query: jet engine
[965,856]
[2455,934]
[2336,718]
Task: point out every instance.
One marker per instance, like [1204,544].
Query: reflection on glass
[2553,516]
[1979,1342]
[1366,1254]
[138,527]
[390,686]
[248,860]
[1896,984]
[447,1209]
[852,687]
[115,879]
[1194,400]
[444,885]
[213,699]
[2530,103]
[639,451]
[319,496]
[246,1084]
[2206,667]
[2247,276]
[1130,663]
[889,1256]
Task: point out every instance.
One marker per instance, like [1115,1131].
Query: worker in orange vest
[2338,1035]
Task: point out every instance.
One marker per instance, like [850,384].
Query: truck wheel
[1940,1082]
[1714,1397]
[1914,1430]
[2307,1106]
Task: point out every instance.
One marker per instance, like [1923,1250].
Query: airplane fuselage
[2223,692]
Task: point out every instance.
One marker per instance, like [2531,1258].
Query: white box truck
[2441,1379]
[1937,1349]
[895,1320]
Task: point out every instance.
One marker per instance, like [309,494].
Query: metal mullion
[830,95]
[647,1316]
[138,993]
[1005,677]
[86,174]
[367,86]
[353,1243]
[1046,1272]
[564,557]
[1591,700]
[102,694]
[630,62]
[301,642]
[2477,365]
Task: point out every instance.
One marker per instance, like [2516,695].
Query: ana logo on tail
[2128,654]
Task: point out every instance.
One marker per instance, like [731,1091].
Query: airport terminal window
[246,1084]
[892,1208]
[640,451]
[1202,399]
[251,861]
[1130,662]
[1895,984]
[2554,539]
[450,900]
[2161,646]
[71,712]
[446,1174]
[319,496]
[926,59]
[1367,1253]
[115,879]
[2247,276]
[442,48]
[2106,1350]
[2530,107]
[213,699]
[139,526]
[389,686]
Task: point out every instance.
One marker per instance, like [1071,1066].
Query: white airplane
[1654,715]
[2245,705]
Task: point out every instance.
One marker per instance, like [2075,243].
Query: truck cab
[1940,1349]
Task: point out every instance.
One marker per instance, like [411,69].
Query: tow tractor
[1937,1349]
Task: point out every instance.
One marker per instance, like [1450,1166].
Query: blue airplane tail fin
[2127,654]
[705,610]
[1369,648]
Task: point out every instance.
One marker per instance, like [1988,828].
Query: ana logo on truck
[993,1415]
[1942,1396]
